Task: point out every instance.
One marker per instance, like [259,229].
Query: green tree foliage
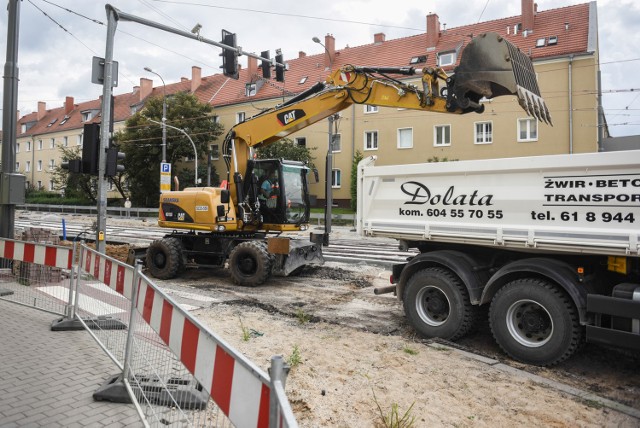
[357,157]
[286,149]
[141,141]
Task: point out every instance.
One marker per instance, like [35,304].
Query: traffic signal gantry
[90,161]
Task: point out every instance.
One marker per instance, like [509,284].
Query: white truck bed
[582,203]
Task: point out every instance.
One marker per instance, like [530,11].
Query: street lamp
[317,40]
[195,151]
[164,114]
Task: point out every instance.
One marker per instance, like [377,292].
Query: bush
[51,198]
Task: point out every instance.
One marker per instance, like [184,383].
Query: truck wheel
[250,263]
[535,322]
[164,258]
[437,304]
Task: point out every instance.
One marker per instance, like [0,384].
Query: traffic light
[91,148]
[266,65]
[73,165]
[229,56]
[112,167]
[279,68]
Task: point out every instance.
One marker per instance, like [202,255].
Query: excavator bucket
[490,67]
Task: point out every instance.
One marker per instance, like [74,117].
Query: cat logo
[180,216]
[289,116]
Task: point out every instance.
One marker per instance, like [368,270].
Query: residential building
[562,42]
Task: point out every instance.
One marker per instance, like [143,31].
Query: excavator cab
[282,193]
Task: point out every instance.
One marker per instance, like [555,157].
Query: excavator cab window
[282,191]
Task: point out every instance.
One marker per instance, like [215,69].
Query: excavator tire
[250,264]
[164,258]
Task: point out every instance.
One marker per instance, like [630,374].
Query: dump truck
[244,224]
[549,244]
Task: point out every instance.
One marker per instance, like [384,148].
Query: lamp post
[195,151]
[164,114]
[329,163]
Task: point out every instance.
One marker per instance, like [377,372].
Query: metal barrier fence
[175,370]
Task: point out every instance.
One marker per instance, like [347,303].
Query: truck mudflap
[290,255]
[489,67]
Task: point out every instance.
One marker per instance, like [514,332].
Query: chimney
[330,51]
[68,105]
[302,54]
[146,86]
[252,66]
[184,79]
[42,110]
[433,30]
[135,89]
[378,38]
[528,14]
[196,78]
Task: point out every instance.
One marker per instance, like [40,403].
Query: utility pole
[11,184]
[329,180]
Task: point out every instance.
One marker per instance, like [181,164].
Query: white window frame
[400,146]
[17,147]
[476,135]
[215,154]
[240,117]
[52,164]
[251,89]
[52,143]
[368,109]
[337,143]
[437,143]
[17,166]
[366,133]
[51,188]
[39,186]
[27,166]
[28,146]
[452,58]
[66,141]
[336,178]
[39,165]
[39,144]
[527,122]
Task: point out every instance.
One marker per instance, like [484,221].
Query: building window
[39,165]
[301,141]
[87,115]
[336,178]
[52,143]
[337,143]
[446,58]
[52,163]
[371,140]
[79,140]
[250,89]
[405,138]
[27,166]
[28,146]
[370,109]
[215,119]
[17,166]
[527,130]
[39,144]
[240,117]
[215,151]
[17,147]
[66,141]
[51,189]
[39,185]
[442,135]
[483,132]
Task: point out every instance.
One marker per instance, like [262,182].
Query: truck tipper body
[550,243]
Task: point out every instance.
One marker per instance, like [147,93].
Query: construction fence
[175,370]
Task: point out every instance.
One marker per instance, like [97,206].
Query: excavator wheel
[250,264]
[164,258]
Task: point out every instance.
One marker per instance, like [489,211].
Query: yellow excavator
[242,222]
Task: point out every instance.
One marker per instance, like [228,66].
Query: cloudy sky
[56,49]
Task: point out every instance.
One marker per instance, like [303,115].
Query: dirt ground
[355,361]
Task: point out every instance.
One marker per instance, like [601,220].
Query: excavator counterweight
[490,66]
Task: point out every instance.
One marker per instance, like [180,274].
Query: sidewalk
[48,378]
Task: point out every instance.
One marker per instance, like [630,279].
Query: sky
[56,49]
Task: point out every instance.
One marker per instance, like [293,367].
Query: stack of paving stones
[31,273]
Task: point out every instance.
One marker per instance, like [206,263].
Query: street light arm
[195,151]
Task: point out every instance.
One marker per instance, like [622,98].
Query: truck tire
[250,263]
[437,304]
[535,322]
[164,258]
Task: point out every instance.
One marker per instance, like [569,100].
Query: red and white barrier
[31,252]
[238,387]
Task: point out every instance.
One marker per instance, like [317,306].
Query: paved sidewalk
[48,378]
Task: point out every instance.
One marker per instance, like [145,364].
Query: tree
[286,149]
[141,141]
[81,186]
[357,157]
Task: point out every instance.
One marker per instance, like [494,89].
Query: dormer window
[87,115]
[64,120]
[540,42]
[418,59]
[446,58]
[52,122]
[303,80]
[553,40]
[250,90]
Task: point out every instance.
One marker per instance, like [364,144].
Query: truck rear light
[391,279]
